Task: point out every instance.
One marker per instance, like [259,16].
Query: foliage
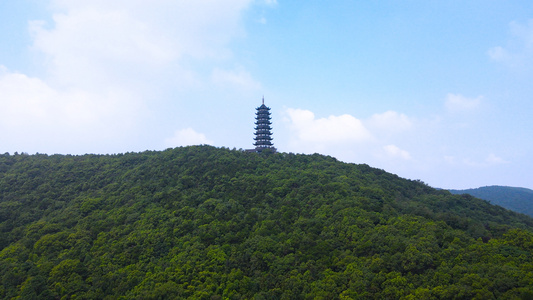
[207,223]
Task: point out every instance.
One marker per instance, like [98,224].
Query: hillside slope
[207,223]
[513,198]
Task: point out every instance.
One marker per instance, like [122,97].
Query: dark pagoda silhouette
[263,133]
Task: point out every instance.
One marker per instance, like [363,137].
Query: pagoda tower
[263,134]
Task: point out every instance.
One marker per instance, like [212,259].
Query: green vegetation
[513,198]
[207,223]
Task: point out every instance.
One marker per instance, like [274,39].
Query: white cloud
[347,137]
[187,137]
[96,47]
[394,152]
[37,117]
[105,62]
[519,49]
[344,137]
[459,103]
[99,42]
[336,129]
[390,121]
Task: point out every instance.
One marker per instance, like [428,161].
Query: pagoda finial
[263,99]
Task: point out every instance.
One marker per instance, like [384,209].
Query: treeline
[212,223]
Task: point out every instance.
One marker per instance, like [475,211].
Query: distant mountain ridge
[513,198]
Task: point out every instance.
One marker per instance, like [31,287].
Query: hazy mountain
[209,223]
[513,198]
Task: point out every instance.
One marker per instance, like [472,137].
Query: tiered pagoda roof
[263,134]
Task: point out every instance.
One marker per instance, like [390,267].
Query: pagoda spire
[263,134]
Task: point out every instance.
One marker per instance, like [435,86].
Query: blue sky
[433,90]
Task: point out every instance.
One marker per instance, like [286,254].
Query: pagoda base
[259,150]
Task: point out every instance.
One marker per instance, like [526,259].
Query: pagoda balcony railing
[263,138]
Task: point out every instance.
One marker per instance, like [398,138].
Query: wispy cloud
[458,103]
[489,160]
[238,78]
[493,159]
[519,49]
[394,151]
[390,122]
[271,2]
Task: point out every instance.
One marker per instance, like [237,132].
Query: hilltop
[212,223]
[513,198]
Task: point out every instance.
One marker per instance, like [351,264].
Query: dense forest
[513,198]
[213,223]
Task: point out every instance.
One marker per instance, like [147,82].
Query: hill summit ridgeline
[212,223]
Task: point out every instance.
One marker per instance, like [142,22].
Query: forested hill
[513,198]
[209,223]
